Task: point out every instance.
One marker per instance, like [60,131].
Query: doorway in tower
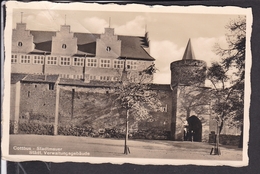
[194,129]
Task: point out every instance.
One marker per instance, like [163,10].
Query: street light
[216,150]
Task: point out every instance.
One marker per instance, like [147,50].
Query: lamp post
[216,150]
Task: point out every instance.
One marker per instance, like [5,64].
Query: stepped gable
[131,48]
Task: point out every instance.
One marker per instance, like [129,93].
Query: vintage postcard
[126,83]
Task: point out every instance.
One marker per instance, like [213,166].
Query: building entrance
[194,131]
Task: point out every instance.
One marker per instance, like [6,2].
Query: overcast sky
[168,32]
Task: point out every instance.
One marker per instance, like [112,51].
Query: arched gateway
[194,129]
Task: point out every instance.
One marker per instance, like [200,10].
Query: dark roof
[189,54]
[92,83]
[41,78]
[106,84]
[132,46]
[15,77]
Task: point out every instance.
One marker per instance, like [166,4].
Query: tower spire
[21,17]
[188,54]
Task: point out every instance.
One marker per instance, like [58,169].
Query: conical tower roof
[189,54]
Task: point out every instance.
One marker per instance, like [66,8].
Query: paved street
[99,147]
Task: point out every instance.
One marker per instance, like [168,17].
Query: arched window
[20,44]
[108,49]
[64,46]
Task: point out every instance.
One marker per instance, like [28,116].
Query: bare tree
[137,97]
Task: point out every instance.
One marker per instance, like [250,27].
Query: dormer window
[20,44]
[108,49]
[64,46]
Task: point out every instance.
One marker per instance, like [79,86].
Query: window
[25,59]
[52,60]
[105,63]
[20,44]
[130,64]
[29,94]
[116,78]
[78,61]
[64,46]
[65,61]
[105,78]
[77,76]
[108,49]
[14,58]
[92,77]
[38,59]
[51,86]
[91,62]
[119,64]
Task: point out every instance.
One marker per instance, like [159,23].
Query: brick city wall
[96,107]
[225,139]
[37,101]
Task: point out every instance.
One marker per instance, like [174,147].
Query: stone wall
[97,107]
[232,140]
[37,100]
[12,101]
[188,72]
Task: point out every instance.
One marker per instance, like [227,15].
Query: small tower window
[64,46]
[51,86]
[20,44]
[108,49]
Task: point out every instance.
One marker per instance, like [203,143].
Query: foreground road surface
[99,147]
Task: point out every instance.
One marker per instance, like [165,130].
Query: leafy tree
[228,75]
[193,98]
[137,97]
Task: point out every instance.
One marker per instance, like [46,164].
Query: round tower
[188,71]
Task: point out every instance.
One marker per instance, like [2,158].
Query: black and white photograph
[126,83]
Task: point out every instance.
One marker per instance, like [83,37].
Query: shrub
[36,128]
[75,131]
